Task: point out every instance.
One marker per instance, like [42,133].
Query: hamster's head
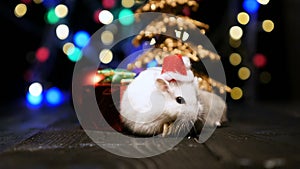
[181,105]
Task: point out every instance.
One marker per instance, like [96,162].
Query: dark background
[22,36]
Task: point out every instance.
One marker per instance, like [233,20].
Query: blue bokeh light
[34,100]
[54,96]
[81,38]
[250,6]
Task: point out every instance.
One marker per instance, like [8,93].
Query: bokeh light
[106,17]
[235,59]
[51,17]
[127,3]
[62,31]
[68,47]
[107,37]
[20,10]
[259,60]
[251,6]
[35,89]
[96,15]
[97,78]
[81,38]
[108,4]
[263,2]
[54,96]
[243,18]
[74,54]
[236,32]
[61,10]
[126,17]
[26,1]
[268,25]
[235,43]
[244,73]
[37,1]
[236,93]
[50,3]
[34,100]
[106,56]
[42,54]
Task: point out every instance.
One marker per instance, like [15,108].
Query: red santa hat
[176,67]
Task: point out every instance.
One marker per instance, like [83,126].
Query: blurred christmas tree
[164,45]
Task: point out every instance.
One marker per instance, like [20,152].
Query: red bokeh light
[108,4]
[42,54]
[96,16]
[259,60]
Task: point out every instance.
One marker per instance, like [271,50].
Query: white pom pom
[186,61]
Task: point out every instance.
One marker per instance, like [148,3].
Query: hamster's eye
[180,100]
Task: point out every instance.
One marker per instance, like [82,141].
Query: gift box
[109,91]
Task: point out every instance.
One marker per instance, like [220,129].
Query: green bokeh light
[126,17]
[51,17]
[74,54]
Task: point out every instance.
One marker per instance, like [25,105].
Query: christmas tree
[175,17]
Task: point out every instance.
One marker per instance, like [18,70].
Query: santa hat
[176,67]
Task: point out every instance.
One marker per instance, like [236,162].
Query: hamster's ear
[162,84]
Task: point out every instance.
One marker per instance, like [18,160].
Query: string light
[268,25]
[126,17]
[42,54]
[244,73]
[51,16]
[62,31]
[236,93]
[236,32]
[243,18]
[35,89]
[61,10]
[105,56]
[235,59]
[127,3]
[106,17]
[20,10]
[263,2]
[259,60]
[107,37]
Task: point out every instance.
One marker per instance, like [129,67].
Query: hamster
[154,103]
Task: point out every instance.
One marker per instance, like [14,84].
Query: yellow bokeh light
[68,47]
[235,59]
[106,56]
[127,3]
[244,73]
[20,10]
[107,37]
[243,18]
[268,25]
[62,31]
[61,10]
[236,32]
[236,93]
[235,43]
[263,2]
[37,1]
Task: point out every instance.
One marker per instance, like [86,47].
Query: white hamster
[153,104]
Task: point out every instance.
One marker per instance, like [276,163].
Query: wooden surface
[257,136]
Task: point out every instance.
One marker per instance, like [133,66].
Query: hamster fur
[152,105]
